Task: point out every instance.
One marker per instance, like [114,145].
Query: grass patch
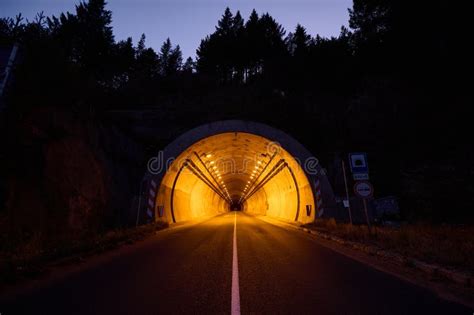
[33,257]
[446,245]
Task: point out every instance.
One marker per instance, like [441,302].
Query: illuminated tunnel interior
[235,171]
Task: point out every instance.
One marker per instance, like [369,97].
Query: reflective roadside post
[366,214]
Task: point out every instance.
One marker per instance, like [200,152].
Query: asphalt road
[190,270]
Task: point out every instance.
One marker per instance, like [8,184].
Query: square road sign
[358,163]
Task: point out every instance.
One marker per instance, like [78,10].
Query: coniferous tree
[225,24]
[175,61]
[171,59]
[236,54]
[371,22]
[252,44]
[189,65]
[147,61]
[299,42]
[92,31]
[224,42]
[124,60]
[273,51]
[141,44]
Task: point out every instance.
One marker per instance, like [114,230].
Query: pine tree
[141,44]
[189,65]
[225,24]
[273,49]
[299,42]
[237,53]
[124,58]
[252,44]
[371,21]
[164,56]
[93,35]
[175,61]
[171,59]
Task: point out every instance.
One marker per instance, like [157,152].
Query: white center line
[235,300]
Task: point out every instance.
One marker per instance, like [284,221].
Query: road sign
[359,165]
[364,189]
[360,176]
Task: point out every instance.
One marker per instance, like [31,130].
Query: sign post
[366,214]
[364,190]
[347,191]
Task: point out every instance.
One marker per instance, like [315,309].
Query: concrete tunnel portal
[236,165]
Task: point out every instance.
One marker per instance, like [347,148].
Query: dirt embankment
[66,177]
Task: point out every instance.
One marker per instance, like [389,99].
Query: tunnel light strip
[259,175]
[209,172]
[272,174]
[256,187]
[199,174]
[274,171]
[185,164]
[222,192]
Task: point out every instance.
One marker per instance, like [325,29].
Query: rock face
[68,176]
[77,179]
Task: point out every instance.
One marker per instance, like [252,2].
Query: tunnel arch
[181,184]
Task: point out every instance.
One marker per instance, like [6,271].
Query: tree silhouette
[189,66]
[396,63]
[170,59]
[299,42]
[252,45]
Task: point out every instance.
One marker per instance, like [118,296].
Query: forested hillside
[389,85]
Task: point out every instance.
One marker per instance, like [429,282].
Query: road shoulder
[442,287]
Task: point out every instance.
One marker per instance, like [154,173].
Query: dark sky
[186,22]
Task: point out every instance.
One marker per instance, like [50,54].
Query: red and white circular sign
[364,189]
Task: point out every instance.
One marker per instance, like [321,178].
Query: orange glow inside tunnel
[235,171]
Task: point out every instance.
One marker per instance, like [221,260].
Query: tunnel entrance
[235,206]
[235,166]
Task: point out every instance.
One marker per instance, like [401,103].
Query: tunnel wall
[279,197]
[157,171]
[185,205]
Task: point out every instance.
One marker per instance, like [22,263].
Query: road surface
[230,263]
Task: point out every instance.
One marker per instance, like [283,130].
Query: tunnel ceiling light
[259,162]
[212,162]
[209,155]
[214,167]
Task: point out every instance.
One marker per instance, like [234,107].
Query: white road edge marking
[235,300]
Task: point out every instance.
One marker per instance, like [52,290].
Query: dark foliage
[382,86]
